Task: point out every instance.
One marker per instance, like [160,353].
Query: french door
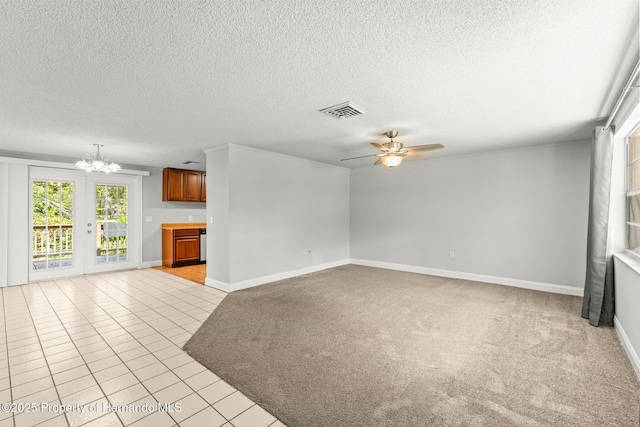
[82,223]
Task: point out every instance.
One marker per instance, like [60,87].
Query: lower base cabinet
[180,247]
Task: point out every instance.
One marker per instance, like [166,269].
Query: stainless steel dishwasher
[203,245]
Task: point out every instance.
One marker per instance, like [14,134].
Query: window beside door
[633,193]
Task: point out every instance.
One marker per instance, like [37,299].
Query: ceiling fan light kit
[97,163]
[394,152]
[391,161]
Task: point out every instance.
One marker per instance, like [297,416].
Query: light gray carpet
[359,346]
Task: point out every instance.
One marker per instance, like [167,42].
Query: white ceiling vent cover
[344,110]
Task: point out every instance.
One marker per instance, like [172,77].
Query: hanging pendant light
[97,163]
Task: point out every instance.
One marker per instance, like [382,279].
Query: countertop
[184,225]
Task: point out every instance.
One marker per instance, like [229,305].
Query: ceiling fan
[394,152]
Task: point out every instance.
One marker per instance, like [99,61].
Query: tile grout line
[105,308]
[162,362]
[43,353]
[90,324]
[117,355]
[129,295]
[154,310]
[91,372]
[170,369]
[153,296]
[6,343]
[121,305]
[185,295]
[186,286]
[76,348]
[195,391]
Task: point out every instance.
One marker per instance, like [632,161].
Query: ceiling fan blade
[415,156]
[378,161]
[359,157]
[429,147]
[380,146]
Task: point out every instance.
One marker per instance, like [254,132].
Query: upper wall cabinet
[181,185]
[203,188]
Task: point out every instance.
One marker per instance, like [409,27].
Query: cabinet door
[192,186]
[167,248]
[175,185]
[203,193]
[186,248]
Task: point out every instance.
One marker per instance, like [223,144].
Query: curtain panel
[598,303]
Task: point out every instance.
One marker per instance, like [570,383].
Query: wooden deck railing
[57,239]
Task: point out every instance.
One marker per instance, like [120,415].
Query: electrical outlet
[452,255]
[190,217]
[149,218]
[304,252]
[211,220]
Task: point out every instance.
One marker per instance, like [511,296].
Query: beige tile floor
[106,350]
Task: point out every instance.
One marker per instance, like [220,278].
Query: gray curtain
[598,304]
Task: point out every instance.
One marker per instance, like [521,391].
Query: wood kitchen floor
[195,273]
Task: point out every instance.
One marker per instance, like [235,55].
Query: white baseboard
[526,284]
[230,287]
[628,347]
[223,286]
[149,264]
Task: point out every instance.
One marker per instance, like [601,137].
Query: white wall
[281,205]
[14,224]
[626,268]
[161,212]
[14,216]
[627,300]
[519,214]
[218,250]
[4,220]
[277,206]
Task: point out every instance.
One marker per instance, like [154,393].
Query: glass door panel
[54,226]
[82,223]
[112,217]
[112,244]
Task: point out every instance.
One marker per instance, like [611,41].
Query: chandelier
[97,163]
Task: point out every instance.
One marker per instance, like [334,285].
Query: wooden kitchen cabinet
[172,184]
[180,247]
[182,185]
[193,186]
[203,190]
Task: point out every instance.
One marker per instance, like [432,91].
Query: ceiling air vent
[344,110]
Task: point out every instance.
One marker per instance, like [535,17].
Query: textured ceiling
[157,82]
